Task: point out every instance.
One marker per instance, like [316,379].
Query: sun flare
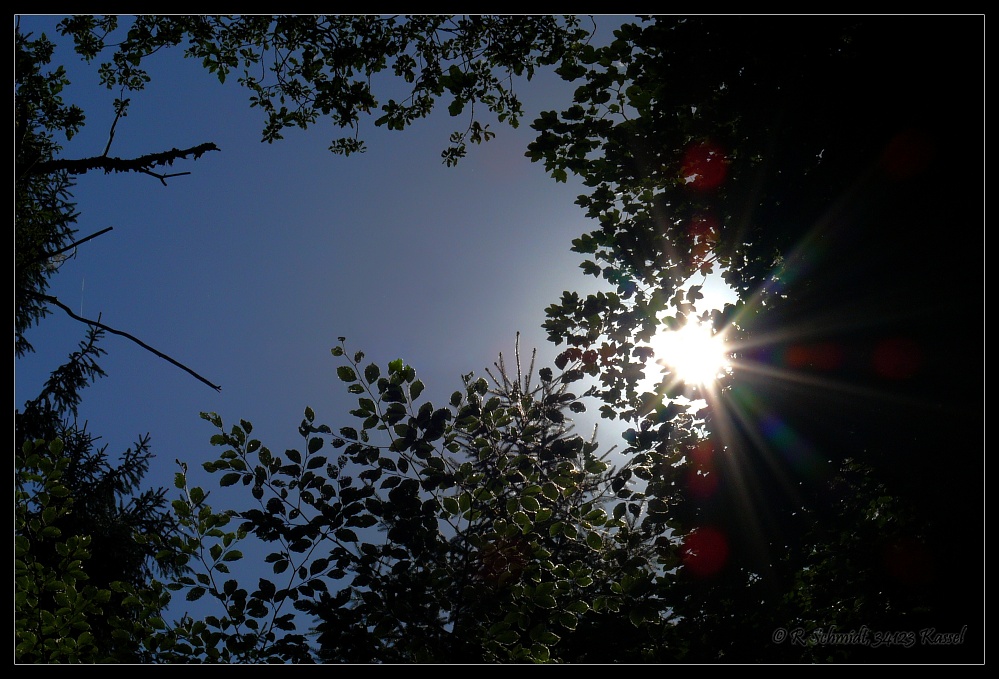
[692,354]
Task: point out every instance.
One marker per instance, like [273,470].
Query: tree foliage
[303,68]
[822,166]
[481,531]
[44,211]
[706,148]
[86,537]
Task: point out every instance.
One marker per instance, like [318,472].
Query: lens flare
[705,165]
[704,552]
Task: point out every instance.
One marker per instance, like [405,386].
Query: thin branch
[50,255]
[117,116]
[142,344]
[163,177]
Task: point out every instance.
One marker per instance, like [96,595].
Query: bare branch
[142,164]
[164,177]
[142,344]
[117,117]
[49,255]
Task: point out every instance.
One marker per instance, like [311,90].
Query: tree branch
[142,344]
[142,164]
[50,255]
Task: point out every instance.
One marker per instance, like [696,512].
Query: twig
[163,177]
[142,344]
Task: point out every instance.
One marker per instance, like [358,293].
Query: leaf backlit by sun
[692,353]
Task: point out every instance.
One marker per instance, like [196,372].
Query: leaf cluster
[302,68]
[481,531]
[68,607]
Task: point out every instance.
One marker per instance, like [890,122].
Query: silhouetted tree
[823,165]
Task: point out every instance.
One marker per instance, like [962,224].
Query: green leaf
[567,620]
[346,373]
[550,491]
[543,635]
[619,510]
[346,535]
[508,637]
[229,479]
[371,373]
[266,588]
[540,653]
[415,389]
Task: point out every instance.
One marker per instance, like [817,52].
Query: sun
[693,353]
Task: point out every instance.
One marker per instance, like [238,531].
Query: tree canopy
[827,186]
[303,68]
[822,165]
